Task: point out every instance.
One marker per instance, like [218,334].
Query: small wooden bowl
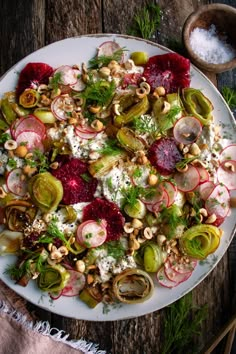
[224,18]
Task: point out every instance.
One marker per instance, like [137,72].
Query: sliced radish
[226,174]
[29,123]
[162,203]
[205,189]
[163,280]
[171,190]
[79,85]
[182,268]
[187,181]
[67,75]
[228,153]
[58,106]
[15,183]
[108,48]
[154,198]
[91,233]
[85,135]
[75,284]
[31,139]
[175,276]
[187,130]
[218,202]
[204,175]
[56,295]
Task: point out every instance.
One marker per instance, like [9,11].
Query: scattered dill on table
[229,95]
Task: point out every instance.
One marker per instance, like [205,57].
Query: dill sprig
[104,60]
[170,118]
[146,22]
[38,160]
[16,272]
[99,92]
[55,80]
[133,193]
[229,95]
[53,233]
[185,161]
[110,148]
[4,137]
[145,124]
[182,321]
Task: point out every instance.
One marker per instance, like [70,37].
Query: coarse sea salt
[209,47]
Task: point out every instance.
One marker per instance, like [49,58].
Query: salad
[114,176]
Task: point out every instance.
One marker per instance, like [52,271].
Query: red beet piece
[164,154]
[172,71]
[33,75]
[77,188]
[103,209]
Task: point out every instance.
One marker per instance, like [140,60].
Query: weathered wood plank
[72,18]
[21,30]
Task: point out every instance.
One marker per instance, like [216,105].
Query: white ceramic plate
[78,50]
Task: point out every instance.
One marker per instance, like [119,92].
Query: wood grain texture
[72,18]
[21,30]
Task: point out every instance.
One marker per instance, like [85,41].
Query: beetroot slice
[164,154]
[172,71]
[103,209]
[33,74]
[76,188]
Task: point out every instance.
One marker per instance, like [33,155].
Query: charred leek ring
[133,286]
[201,240]
[19,213]
[53,278]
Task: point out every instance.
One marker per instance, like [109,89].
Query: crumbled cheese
[210,47]
[108,266]
[3,161]
[79,209]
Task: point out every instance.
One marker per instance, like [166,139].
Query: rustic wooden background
[26,25]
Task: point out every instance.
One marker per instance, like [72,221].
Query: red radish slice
[30,123]
[14,125]
[108,48]
[154,198]
[67,75]
[187,181]
[84,135]
[187,130]
[218,201]
[91,233]
[163,280]
[79,85]
[205,189]
[182,268]
[226,174]
[175,276]
[75,284]
[204,175]
[171,190]
[228,153]
[32,140]
[15,184]
[58,106]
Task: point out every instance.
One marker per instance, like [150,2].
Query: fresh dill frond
[99,93]
[133,193]
[182,321]
[4,137]
[86,177]
[185,161]
[229,95]
[169,118]
[110,148]
[104,60]
[12,163]
[40,160]
[55,80]
[146,22]
[16,271]
[172,217]
[137,172]
[145,124]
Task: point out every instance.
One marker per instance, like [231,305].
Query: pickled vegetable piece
[46,191]
[53,278]
[10,242]
[135,111]
[153,257]
[128,140]
[198,105]
[138,210]
[139,58]
[18,214]
[201,240]
[7,110]
[101,166]
[133,286]
[45,115]
[29,98]
[91,296]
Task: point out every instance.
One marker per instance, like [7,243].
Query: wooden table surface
[26,25]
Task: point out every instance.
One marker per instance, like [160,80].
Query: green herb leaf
[145,124]
[229,95]
[99,93]
[103,60]
[4,137]
[146,22]
[12,163]
[110,148]
[55,80]
[185,161]
[182,321]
